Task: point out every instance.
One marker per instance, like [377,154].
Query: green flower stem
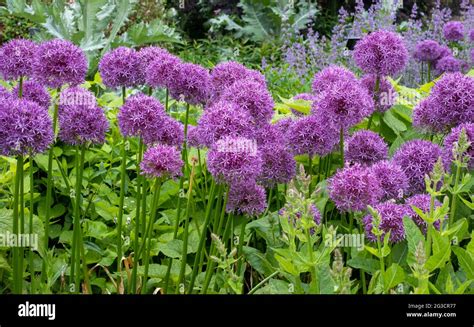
[218,231]
[17,276]
[147,237]
[341,146]
[428,229]
[30,225]
[314,276]
[241,244]
[256,287]
[454,196]
[199,253]
[184,252]
[429,71]
[382,263]
[376,98]
[76,259]
[22,223]
[270,195]
[49,187]
[167,100]
[185,145]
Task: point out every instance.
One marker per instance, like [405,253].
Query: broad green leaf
[367,264]
[414,237]
[466,261]
[441,251]
[394,275]
[258,261]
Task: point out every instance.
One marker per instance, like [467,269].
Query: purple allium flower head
[449,64]
[25,127]
[285,125]
[279,165]
[427,51]
[325,79]
[162,161]
[417,158]
[450,103]
[224,118]
[163,71]
[121,67]
[147,55]
[192,84]
[344,105]
[382,53]
[454,137]
[253,97]
[386,92]
[58,62]
[141,116]
[170,132]
[354,188]
[16,59]
[392,179]
[73,97]
[35,92]
[224,74]
[365,147]
[453,31]
[80,124]
[194,137]
[422,202]
[4,93]
[312,135]
[247,198]
[234,159]
[391,215]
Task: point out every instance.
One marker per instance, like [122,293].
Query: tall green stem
[376,99]
[310,173]
[76,258]
[202,239]
[30,225]
[147,236]
[17,275]
[49,187]
[184,253]
[454,196]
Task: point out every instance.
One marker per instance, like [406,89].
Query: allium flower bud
[16,59]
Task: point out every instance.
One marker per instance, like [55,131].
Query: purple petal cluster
[471,35]
[121,67]
[162,161]
[454,137]
[224,74]
[417,158]
[344,105]
[279,165]
[365,147]
[453,31]
[354,188]
[16,59]
[386,92]
[170,132]
[427,51]
[391,220]
[449,64]
[25,127]
[313,136]
[253,97]
[33,91]
[4,93]
[192,84]
[147,55]
[59,62]
[382,53]
[234,159]
[82,123]
[450,103]
[163,71]
[315,213]
[247,198]
[327,77]
[285,126]
[221,119]
[422,202]
[141,116]
[392,179]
